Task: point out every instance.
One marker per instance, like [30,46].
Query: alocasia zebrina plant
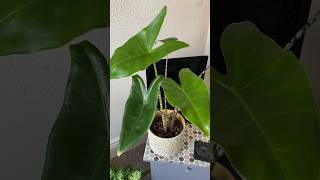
[77,148]
[265,113]
[137,54]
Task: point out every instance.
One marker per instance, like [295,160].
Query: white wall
[187,20]
[310,55]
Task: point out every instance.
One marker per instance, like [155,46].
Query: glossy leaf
[137,53]
[192,97]
[265,112]
[31,25]
[139,111]
[78,144]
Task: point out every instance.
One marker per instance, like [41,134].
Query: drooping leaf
[192,97]
[31,25]
[139,111]
[78,144]
[137,53]
[265,113]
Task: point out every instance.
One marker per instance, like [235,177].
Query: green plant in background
[265,113]
[77,147]
[191,96]
[126,174]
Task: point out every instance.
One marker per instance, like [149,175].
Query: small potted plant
[191,98]
[127,173]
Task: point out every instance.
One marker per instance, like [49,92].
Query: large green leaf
[137,53]
[78,144]
[139,111]
[31,25]
[192,97]
[265,112]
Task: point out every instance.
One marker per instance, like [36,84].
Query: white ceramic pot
[166,146]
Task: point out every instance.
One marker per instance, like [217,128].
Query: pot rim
[180,134]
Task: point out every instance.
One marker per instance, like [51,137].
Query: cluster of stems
[165,117]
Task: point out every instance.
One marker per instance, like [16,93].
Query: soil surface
[157,128]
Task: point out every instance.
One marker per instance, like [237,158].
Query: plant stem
[173,117]
[163,114]
[160,98]
[165,75]
[204,71]
[302,31]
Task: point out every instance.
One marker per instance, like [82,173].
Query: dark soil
[157,128]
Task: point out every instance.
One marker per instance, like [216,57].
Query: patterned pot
[166,146]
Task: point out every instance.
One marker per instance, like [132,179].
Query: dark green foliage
[78,144]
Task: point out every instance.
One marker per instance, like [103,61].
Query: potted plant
[126,173]
[191,98]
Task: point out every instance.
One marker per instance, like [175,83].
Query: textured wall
[31,94]
[186,19]
[310,55]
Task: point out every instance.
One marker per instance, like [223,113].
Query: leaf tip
[186,44]
[164,8]
[119,153]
